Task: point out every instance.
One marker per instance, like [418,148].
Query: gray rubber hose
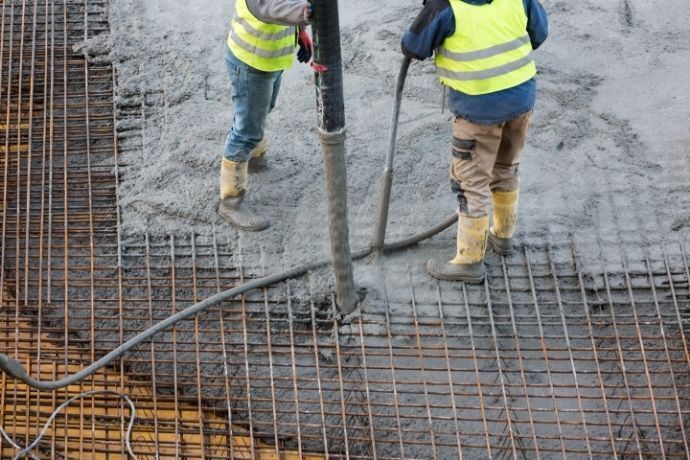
[14,369]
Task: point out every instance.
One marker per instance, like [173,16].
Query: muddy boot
[235,212]
[233,184]
[468,264]
[505,219]
[257,162]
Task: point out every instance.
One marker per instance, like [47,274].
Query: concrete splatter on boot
[257,162]
[233,188]
[468,264]
[505,220]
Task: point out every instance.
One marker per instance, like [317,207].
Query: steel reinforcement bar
[556,356]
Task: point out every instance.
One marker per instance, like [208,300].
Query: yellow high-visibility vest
[267,47]
[490,50]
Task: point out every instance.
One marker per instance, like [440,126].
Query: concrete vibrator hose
[14,369]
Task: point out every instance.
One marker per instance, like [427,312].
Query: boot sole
[444,277]
[247,228]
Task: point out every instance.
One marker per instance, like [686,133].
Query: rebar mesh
[554,357]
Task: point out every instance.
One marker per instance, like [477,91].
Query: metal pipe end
[351,304]
[13,368]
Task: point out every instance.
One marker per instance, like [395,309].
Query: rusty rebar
[553,357]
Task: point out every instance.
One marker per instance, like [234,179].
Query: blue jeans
[254,95]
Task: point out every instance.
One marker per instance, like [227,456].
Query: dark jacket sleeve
[434,24]
[283,12]
[537,23]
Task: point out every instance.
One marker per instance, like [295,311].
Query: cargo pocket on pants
[463,149]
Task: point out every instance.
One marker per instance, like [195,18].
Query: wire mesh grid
[545,361]
[554,357]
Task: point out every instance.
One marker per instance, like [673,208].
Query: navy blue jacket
[436,22]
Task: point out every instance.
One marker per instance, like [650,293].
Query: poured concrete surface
[606,166]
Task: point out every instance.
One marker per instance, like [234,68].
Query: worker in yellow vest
[483,51]
[261,45]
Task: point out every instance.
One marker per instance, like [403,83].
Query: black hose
[14,369]
[414,240]
[331,113]
[325,26]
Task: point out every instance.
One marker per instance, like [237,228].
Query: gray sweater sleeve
[283,12]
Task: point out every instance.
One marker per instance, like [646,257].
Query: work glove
[305,46]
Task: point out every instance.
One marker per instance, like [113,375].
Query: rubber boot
[468,264]
[233,188]
[257,162]
[505,219]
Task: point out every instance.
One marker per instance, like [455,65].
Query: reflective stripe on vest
[489,51]
[266,47]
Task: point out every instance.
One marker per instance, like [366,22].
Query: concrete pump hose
[333,146]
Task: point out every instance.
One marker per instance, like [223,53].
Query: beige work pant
[485,158]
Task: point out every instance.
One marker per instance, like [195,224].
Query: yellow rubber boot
[505,220]
[233,180]
[468,264]
[233,188]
